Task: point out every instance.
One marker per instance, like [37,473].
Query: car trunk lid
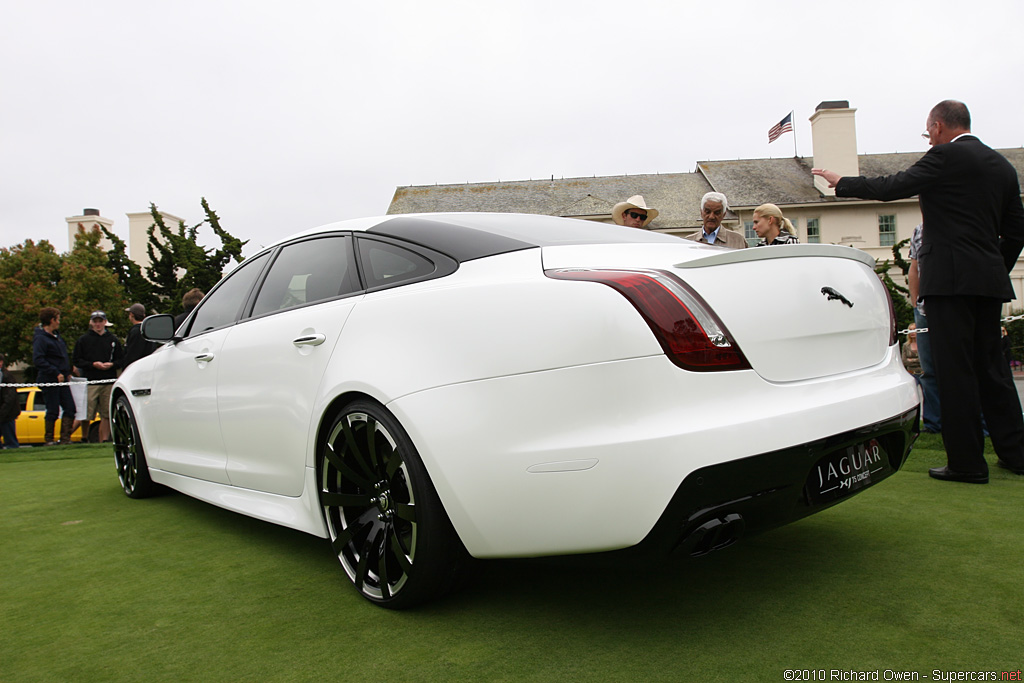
[797,312]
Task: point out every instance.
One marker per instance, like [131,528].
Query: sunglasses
[634,215]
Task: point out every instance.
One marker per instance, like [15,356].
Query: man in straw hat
[633,213]
[713,207]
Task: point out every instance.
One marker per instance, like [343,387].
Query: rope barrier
[60,384]
[1007,319]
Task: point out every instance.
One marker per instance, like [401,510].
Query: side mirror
[158,328]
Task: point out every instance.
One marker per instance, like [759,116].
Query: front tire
[384,517]
[129,457]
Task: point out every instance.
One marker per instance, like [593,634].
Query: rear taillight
[892,317]
[690,333]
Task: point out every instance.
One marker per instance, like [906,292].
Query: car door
[184,397]
[275,359]
[30,423]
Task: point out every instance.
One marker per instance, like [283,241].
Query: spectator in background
[772,227]
[50,356]
[191,300]
[633,213]
[135,345]
[96,353]
[713,207]
[10,408]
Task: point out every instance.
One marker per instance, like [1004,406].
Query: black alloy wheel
[385,520]
[129,458]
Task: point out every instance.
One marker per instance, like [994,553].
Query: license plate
[842,472]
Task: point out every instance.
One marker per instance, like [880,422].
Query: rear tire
[384,517]
[129,456]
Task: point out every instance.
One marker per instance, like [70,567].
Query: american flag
[783,126]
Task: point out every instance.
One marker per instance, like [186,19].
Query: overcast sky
[288,115]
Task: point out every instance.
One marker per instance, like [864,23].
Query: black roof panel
[468,236]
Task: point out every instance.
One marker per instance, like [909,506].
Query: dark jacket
[970,202]
[135,347]
[10,408]
[50,355]
[180,318]
[92,347]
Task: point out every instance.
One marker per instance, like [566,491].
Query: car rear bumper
[718,504]
[593,458]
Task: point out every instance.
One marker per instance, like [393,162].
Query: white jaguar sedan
[424,389]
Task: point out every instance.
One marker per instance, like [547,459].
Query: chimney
[834,141]
[89,219]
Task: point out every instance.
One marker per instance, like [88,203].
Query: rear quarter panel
[494,317]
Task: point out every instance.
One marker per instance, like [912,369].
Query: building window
[748,232]
[814,231]
[886,231]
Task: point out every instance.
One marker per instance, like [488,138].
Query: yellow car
[31,423]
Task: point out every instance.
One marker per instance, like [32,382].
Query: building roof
[746,183]
[752,182]
[670,193]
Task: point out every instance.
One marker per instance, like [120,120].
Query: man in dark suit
[974,232]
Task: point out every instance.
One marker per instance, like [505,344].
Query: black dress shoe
[946,474]
[1007,466]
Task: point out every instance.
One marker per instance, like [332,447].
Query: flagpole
[793,120]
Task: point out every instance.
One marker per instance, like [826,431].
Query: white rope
[922,330]
[61,384]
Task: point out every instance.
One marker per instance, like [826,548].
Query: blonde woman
[772,227]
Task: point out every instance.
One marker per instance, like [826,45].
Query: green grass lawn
[911,575]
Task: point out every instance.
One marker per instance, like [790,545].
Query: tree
[87,284]
[29,274]
[232,246]
[135,285]
[899,294]
[33,276]
[177,261]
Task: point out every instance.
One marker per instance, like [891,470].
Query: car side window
[386,264]
[224,303]
[309,271]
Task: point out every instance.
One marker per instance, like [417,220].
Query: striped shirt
[783,238]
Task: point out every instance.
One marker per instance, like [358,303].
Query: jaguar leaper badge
[833,295]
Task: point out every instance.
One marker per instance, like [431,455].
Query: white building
[138,225]
[817,214]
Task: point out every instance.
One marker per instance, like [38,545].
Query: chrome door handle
[204,358]
[310,340]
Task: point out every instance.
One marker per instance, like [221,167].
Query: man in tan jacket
[713,207]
